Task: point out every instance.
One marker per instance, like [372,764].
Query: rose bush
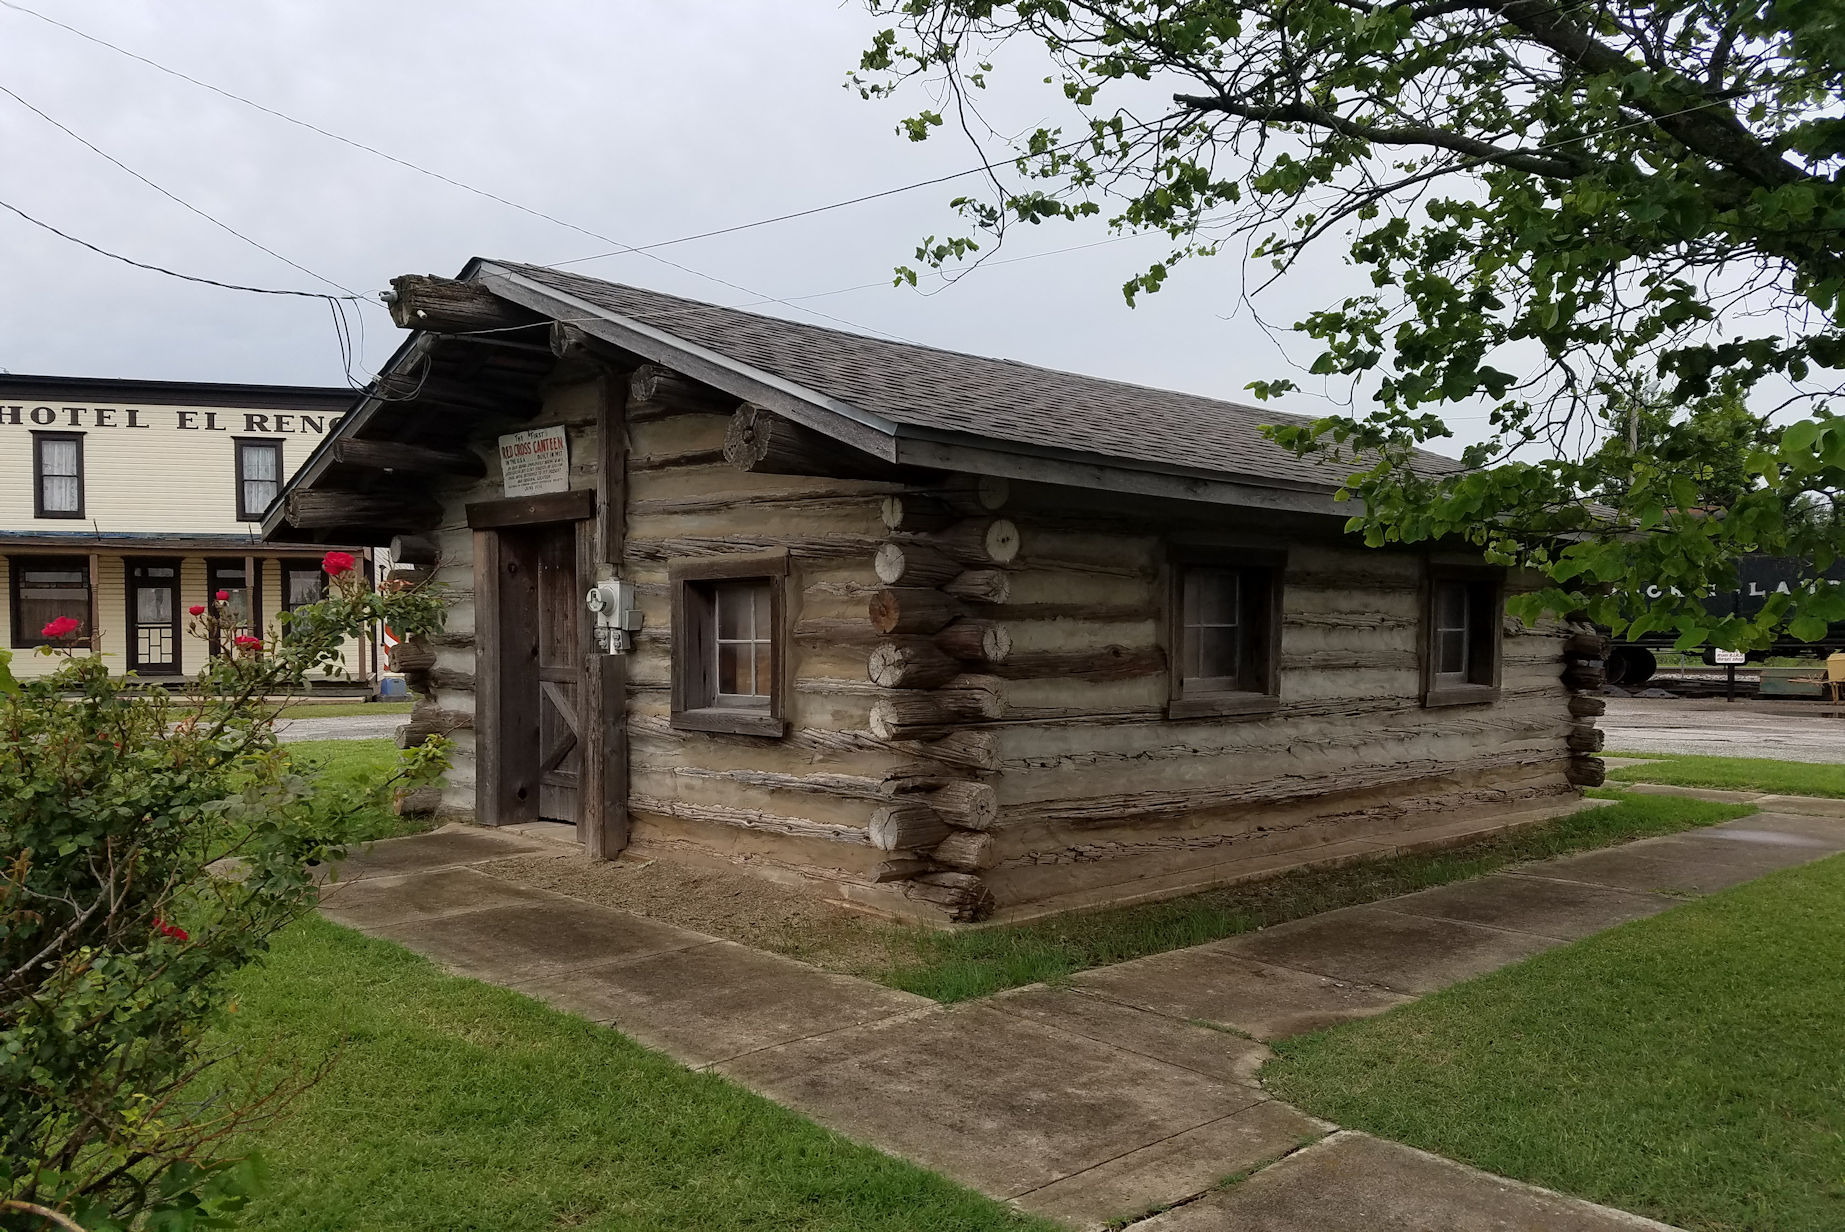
[153,845]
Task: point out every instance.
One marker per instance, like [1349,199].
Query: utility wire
[620,249]
[170,273]
[177,200]
[421,170]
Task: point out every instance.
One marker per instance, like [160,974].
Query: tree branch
[1556,167]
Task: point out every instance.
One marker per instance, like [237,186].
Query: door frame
[129,565]
[506,791]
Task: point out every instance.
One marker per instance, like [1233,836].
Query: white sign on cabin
[1728,657]
[534,462]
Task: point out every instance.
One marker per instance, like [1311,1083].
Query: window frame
[1194,702]
[1485,634]
[239,444]
[25,639]
[694,686]
[39,440]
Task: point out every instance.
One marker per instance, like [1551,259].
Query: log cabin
[937,636]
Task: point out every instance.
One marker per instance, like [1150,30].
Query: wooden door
[536,663]
[153,617]
[560,673]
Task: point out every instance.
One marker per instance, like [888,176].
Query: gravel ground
[342,727]
[1789,731]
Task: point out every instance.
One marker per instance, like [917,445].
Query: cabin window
[259,477]
[1224,648]
[57,474]
[729,646]
[1466,610]
[48,588]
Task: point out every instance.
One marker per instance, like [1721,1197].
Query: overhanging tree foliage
[1589,217]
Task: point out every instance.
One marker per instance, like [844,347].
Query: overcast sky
[640,120]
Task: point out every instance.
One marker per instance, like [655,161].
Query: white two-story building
[124,503]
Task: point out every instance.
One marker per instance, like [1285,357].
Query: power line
[177,200]
[436,175]
[764,222]
[170,273]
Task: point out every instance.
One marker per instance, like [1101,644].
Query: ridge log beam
[761,442]
[448,306]
[325,509]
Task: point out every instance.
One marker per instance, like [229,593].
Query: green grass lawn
[1689,1067]
[356,764]
[1788,778]
[960,965]
[457,1105]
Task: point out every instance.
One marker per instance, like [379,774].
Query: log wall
[1101,797]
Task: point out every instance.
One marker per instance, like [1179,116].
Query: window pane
[257,494]
[1219,652]
[62,495]
[153,605]
[259,462]
[765,667]
[1451,652]
[1451,606]
[305,587]
[59,457]
[735,673]
[733,611]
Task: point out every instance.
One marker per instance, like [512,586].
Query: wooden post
[252,588]
[489,725]
[602,797]
[96,605]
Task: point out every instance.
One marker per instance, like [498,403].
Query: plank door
[560,673]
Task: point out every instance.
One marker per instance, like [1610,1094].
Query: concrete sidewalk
[1129,1092]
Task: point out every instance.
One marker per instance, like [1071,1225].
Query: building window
[1466,610]
[57,474]
[47,588]
[1225,641]
[239,615]
[302,583]
[259,477]
[728,645]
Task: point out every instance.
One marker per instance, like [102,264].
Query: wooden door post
[603,798]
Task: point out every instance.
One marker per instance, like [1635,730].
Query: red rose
[171,930]
[197,609]
[244,639]
[63,626]
[222,596]
[336,563]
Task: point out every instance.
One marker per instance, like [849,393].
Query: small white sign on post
[534,462]
[1729,658]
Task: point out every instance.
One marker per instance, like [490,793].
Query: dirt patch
[732,905]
